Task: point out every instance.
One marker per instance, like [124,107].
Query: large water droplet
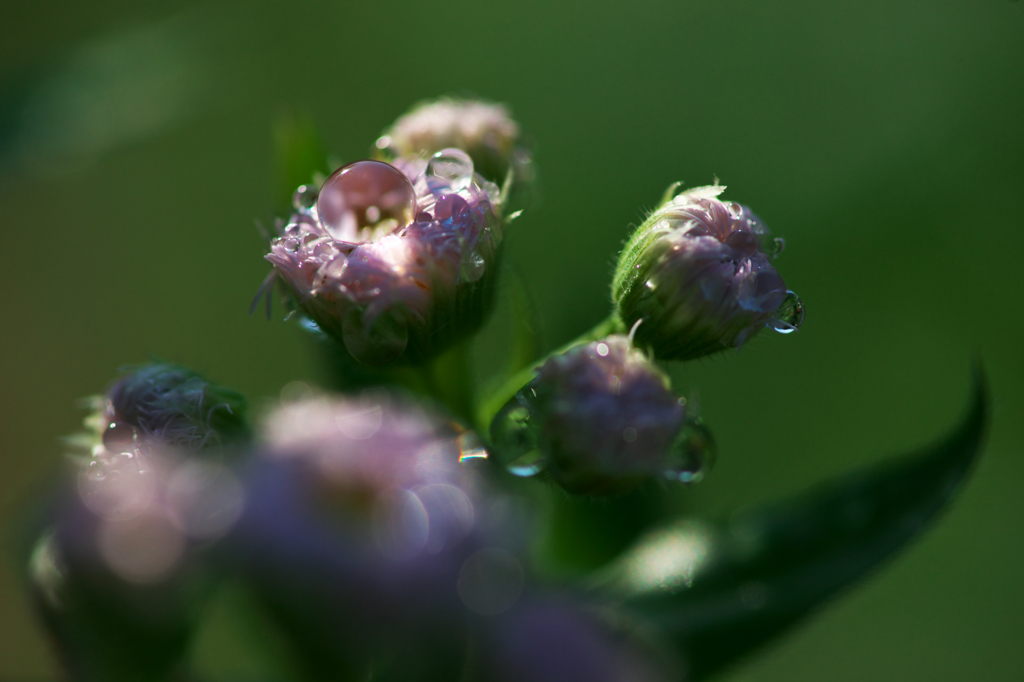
[305,198]
[364,200]
[693,453]
[789,316]
[515,437]
[453,167]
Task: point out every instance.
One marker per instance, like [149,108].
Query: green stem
[490,406]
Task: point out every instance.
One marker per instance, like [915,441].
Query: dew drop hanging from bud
[514,433]
[789,316]
[693,454]
[364,200]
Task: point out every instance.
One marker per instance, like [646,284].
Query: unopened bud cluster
[386,529]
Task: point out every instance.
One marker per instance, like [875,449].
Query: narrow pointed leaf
[717,590]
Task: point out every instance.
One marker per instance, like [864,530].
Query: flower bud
[599,419]
[174,407]
[485,131]
[118,576]
[699,275]
[395,261]
[361,515]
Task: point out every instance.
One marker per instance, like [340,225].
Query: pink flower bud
[485,131]
[698,277]
[599,419]
[394,260]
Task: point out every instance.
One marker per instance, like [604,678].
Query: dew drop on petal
[305,197]
[789,316]
[693,454]
[453,167]
[363,197]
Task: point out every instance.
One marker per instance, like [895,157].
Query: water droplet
[629,434]
[364,200]
[453,167]
[305,197]
[775,246]
[515,438]
[735,210]
[602,349]
[693,453]
[789,316]
[473,266]
[335,269]
[119,437]
[291,245]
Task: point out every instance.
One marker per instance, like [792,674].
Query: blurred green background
[883,139]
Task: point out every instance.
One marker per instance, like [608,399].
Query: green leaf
[717,590]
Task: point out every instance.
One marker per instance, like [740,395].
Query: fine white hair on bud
[394,260]
[699,273]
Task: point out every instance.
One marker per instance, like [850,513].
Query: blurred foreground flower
[699,275]
[362,513]
[120,567]
[394,260]
[600,419]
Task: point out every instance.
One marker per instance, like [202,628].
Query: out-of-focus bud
[172,406]
[558,641]
[485,131]
[362,512]
[698,274]
[118,576]
[599,419]
[395,261]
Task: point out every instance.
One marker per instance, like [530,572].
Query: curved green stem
[492,404]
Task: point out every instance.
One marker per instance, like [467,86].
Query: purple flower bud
[698,278]
[485,131]
[119,567]
[599,419]
[360,516]
[394,261]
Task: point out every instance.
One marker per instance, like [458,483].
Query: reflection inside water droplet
[789,316]
[365,200]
